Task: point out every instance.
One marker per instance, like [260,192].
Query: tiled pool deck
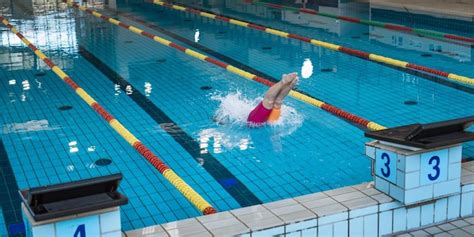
[358,210]
[462,227]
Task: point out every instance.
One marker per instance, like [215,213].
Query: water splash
[233,133]
[307,69]
[234,109]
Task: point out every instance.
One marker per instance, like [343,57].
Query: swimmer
[270,108]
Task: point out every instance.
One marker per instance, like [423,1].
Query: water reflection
[148,88]
[117,89]
[215,140]
[348,31]
[70,168]
[91,149]
[91,166]
[128,90]
[73,147]
[196,36]
[40,84]
[307,69]
[26,85]
[43,23]
[459,52]
[29,126]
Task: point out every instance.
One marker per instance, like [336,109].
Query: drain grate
[40,74]
[410,102]
[162,60]
[206,88]
[65,107]
[103,162]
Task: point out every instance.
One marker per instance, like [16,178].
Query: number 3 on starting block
[434,167]
[386,165]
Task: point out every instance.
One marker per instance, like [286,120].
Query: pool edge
[357,206]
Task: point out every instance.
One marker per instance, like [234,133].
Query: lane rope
[199,202]
[335,47]
[389,26]
[295,94]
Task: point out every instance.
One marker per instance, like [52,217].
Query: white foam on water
[233,132]
[234,109]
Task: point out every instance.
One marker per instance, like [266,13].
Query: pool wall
[359,210]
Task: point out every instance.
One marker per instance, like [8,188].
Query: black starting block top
[428,136]
[50,202]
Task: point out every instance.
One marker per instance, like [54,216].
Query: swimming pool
[171,102]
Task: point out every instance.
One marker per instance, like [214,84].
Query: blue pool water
[453,57]
[170,102]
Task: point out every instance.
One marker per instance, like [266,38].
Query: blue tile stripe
[238,190]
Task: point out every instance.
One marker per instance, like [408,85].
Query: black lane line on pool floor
[433,78]
[9,198]
[221,57]
[219,172]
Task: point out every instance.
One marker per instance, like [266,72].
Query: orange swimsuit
[274,115]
